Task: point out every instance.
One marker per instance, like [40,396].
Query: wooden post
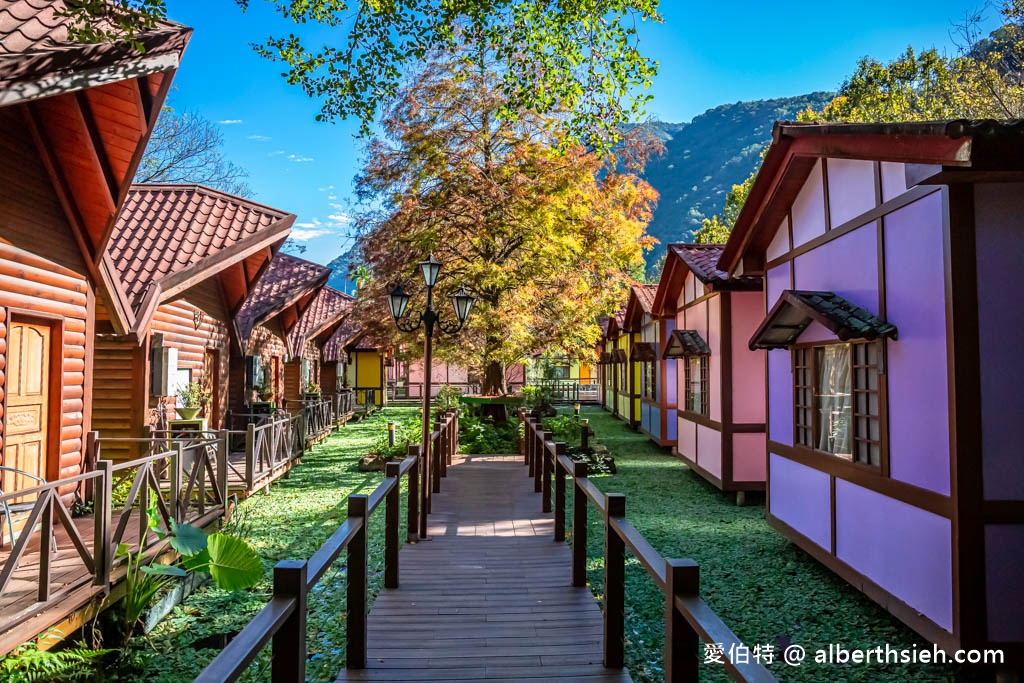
[437,454]
[250,456]
[392,510]
[559,493]
[538,460]
[682,577]
[614,584]
[424,467]
[355,618]
[579,526]
[548,458]
[453,443]
[412,508]
[288,647]
[223,448]
[101,523]
[176,501]
[529,439]
[92,454]
[45,545]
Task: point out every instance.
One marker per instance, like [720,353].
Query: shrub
[448,397]
[482,435]
[565,428]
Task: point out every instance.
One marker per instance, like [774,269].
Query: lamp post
[398,301]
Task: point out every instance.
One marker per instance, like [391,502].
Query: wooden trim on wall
[725,381]
[697,418]
[824,187]
[867,477]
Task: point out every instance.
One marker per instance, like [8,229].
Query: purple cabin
[893,258]
[720,417]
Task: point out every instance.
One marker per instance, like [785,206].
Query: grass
[290,522]
[766,590]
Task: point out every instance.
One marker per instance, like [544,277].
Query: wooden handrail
[282,622]
[688,619]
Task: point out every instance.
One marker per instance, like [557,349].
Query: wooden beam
[89,119]
[145,100]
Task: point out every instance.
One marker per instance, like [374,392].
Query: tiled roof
[702,260]
[165,229]
[797,309]
[645,352]
[602,322]
[284,282]
[683,343]
[34,43]
[327,307]
[334,347]
[645,296]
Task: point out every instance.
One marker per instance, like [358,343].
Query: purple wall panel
[809,208]
[1004,567]
[776,281]
[1000,245]
[851,189]
[800,497]
[780,397]
[903,549]
[894,180]
[847,266]
[915,303]
[780,243]
[709,450]
[671,382]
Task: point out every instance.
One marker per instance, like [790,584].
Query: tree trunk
[494,379]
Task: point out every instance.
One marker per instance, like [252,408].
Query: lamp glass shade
[462,302]
[430,268]
[398,301]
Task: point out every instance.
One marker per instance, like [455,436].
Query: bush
[482,435]
[448,397]
[565,428]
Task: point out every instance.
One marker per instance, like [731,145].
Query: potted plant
[193,397]
[312,392]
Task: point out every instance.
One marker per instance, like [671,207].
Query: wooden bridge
[494,593]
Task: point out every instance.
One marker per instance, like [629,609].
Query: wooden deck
[489,597]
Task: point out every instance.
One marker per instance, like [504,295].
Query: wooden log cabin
[264,323]
[894,260]
[720,382]
[74,121]
[656,374]
[187,257]
[307,339]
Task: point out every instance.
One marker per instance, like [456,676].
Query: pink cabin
[720,382]
[893,258]
[409,378]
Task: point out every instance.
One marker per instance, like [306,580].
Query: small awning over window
[797,309]
[605,358]
[619,356]
[645,352]
[684,343]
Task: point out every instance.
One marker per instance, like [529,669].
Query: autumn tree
[545,235]
[187,148]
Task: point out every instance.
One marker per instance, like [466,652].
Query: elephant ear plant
[231,562]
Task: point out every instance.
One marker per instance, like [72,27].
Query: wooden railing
[688,619]
[344,403]
[571,390]
[319,418]
[282,622]
[185,483]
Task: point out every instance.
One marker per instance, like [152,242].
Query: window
[624,387]
[837,400]
[650,379]
[560,372]
[697,385]
[304,372]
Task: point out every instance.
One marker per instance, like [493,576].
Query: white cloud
[314,227]
[277,153]
[299,159]
[259,138]
[230,122]
[300,233]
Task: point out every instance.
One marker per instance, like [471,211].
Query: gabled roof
[285,289]
[645,352]
[38,60]
[796,310]
[335,347]
[935,152]
[641,300]
[683,343]
[169,238]
[702,261]
[327,309]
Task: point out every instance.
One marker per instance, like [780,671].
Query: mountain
[704,158]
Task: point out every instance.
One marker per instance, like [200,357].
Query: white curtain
[833,400]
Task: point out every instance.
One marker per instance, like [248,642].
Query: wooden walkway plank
[489,597]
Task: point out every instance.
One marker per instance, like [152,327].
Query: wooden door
[28,402]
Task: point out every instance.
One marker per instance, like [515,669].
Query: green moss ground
[766,589]
[290,522]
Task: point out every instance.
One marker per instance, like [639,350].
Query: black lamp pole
[462,303]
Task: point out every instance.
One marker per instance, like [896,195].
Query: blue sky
[710,53]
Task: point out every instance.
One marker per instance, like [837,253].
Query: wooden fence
[570,390]
[282,622]
[688,619]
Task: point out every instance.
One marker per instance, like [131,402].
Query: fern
[28,664]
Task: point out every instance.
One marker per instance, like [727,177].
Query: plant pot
[187,413]
[311,397]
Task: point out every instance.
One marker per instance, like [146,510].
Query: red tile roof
[167,229]
[34,44]
[702,260]
[327,308]
[285,281]
[645,296]
[342,337]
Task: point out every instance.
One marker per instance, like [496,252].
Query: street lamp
[398,302]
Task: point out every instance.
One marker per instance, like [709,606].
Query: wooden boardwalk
[489,597]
